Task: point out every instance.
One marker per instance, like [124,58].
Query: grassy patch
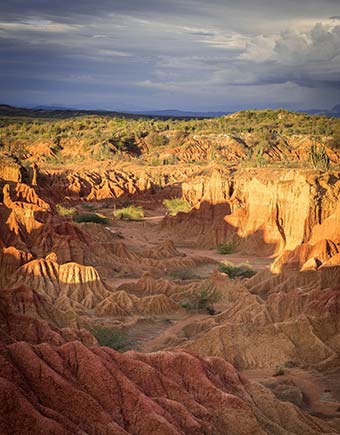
[65,211]
[111,337]
[90,217]
[242,270]
[225,248]
[130,213]
[202,300]
[176,205]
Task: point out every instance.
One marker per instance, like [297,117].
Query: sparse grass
[242,270]
[226,248]
[183,274]
[111,337]
[176,205]
[90,217]
[130,213]
[65,211]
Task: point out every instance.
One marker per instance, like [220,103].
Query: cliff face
[261,211]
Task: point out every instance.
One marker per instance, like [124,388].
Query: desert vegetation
[65,211]
[153,141]
[226,248]
[242,270]
[129,213]
[202,300]
[177,205]
[90,217]
[111,337]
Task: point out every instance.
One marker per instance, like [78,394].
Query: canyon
[257,354]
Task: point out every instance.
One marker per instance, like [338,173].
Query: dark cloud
[189,54]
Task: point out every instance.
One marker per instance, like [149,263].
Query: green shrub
[225,248]
[201,300]
[319,158]
[90,217]
[176,205]
[236,271]
[65,211]
[130,213]
[111,337]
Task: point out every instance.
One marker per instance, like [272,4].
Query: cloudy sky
[161,54]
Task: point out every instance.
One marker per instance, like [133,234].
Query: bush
[202,300]
[130,213]
[319,158]
[225,248]
[65,211]
[111,337]
[176,205]
[90,217]
[240,271]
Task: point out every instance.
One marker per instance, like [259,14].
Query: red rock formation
[70,388]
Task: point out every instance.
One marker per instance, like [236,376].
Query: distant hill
[54,112]
[67,112]
[182,113]
[335,112]
[61,112]
[54,108]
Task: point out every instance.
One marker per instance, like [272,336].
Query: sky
[200,55]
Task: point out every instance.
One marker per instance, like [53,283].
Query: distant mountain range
[66,112]
[171,113]
[180,113]
[46,111]
[335,112]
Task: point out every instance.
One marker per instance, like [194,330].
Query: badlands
[163,277]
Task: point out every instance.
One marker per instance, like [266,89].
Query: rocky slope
[270,321]
[52,389]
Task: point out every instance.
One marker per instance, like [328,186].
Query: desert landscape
[169,276]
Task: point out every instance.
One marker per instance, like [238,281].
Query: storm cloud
[189,54]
